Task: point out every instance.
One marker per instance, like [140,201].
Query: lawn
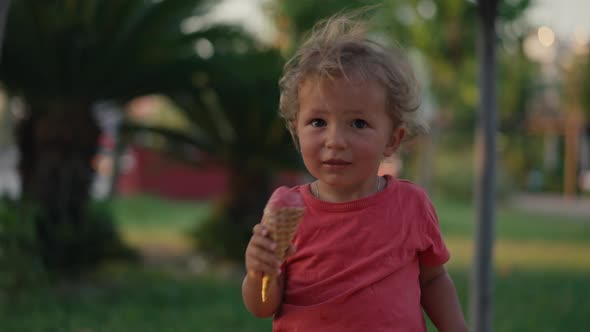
[542,272]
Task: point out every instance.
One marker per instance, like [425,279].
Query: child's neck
[333,194]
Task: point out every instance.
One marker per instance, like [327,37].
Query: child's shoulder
[408,188]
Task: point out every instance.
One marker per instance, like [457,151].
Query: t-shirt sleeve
[433,250]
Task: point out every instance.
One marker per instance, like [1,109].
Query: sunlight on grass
[509,254]
[174,241]
[457,218]
[151,222]
[523,240]
[145,212]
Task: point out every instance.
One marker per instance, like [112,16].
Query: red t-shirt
[357,263]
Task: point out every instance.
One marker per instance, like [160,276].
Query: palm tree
[234,113]
[253,143]
[4,5]
[64,56]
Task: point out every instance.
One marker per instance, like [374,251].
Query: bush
[20,262]
[28,258]
[70,247]
[454,176]
[224,237]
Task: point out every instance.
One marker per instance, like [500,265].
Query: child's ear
[395,140]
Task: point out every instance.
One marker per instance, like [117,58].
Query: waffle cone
[282,224]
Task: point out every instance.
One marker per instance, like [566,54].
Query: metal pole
[482,282]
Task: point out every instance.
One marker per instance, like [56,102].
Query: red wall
[153,172]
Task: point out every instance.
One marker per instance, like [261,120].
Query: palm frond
[94,49]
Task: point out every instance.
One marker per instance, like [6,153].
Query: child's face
[344,132]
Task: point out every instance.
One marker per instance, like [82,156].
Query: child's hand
[260,255]
[261,260]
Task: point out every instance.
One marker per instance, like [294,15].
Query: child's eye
[358,123]
[318,123]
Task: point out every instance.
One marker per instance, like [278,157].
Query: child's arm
[261,259]
[439,299]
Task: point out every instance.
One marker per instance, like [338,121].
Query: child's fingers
[263,242]
[263,249]
[262,260]
[260,255]
[261,239]
[260,229]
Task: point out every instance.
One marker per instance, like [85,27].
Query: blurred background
[140,141]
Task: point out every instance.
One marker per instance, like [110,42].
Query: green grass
[535,300]
[143,300]
[133,299]
[150,221]
[541,282]
[457,219]
[522,240]
[145,212]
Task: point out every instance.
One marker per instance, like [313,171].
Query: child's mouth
[336,163]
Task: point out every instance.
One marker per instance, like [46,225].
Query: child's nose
[335,138]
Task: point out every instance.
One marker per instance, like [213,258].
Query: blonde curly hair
[340,47]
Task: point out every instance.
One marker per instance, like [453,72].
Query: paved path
[553,204]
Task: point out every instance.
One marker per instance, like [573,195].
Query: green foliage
[297,17]
[521,155]
[64,56]
[231,105]
[68,54]
[454,175]
[222,237]
[20,260]
[576,81]
[28,254]
[97,49]
[517,74]
[232,108]
[448,40]
[229,227]
[586,86]
[74,247]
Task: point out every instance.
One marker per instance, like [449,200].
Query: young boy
[369,251]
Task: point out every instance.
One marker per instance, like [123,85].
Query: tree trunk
[4,6]
[482,285]
[57,146]
[229,229]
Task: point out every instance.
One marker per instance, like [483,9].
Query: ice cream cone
[281,218]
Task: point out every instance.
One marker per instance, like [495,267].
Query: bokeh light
[546,36]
